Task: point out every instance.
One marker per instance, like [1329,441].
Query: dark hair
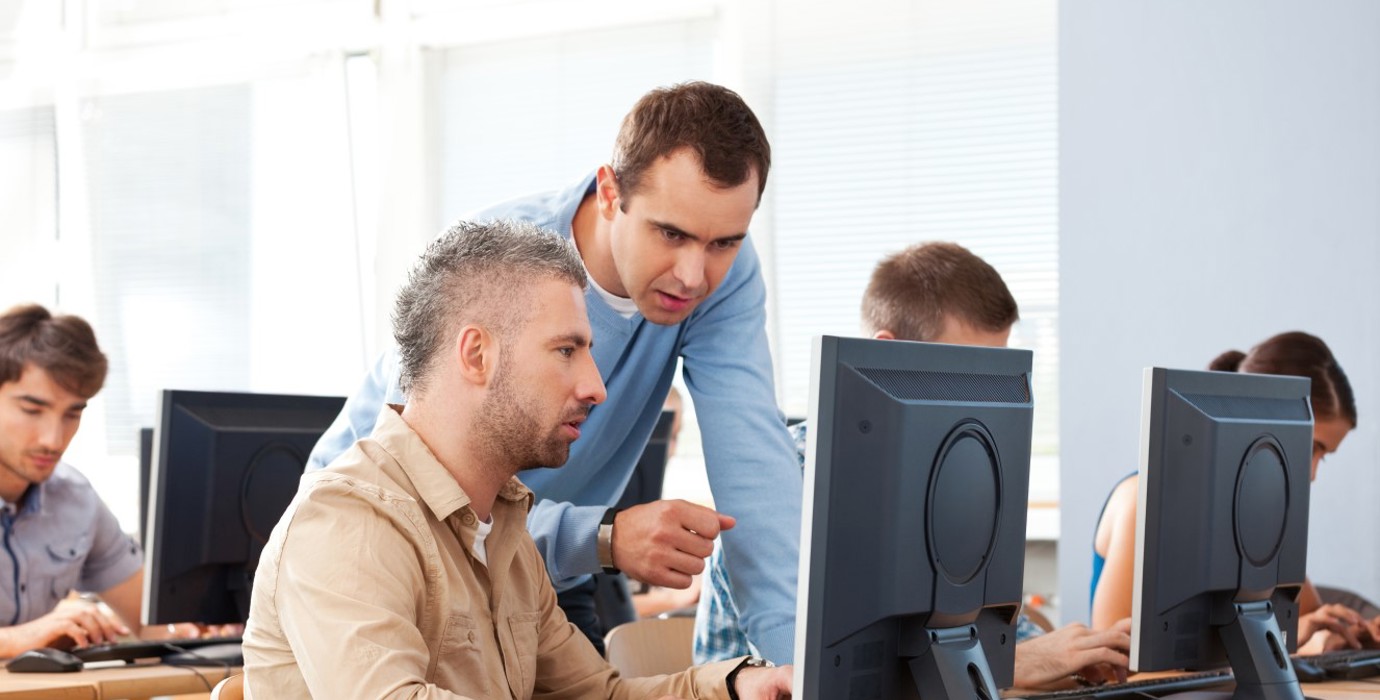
[474,273]
[709,119]
[911,292]
[64,346]
[1302,355]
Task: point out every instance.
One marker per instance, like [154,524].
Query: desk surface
[130,681]
[1368,689]
[147,680]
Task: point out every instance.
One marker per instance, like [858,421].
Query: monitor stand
[954,667]
[228,655]
[1258,656]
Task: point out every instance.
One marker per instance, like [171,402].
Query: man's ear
[476,354]
[884,334]
[606,192]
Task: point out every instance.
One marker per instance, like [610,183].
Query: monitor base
[1258,658]
[954,667]
[226,655]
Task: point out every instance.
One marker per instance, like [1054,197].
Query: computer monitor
[913,534]
[145,468]
[225,467]
[613,603]
[1222,525]
[644,486]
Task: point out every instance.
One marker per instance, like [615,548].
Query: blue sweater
[748,453]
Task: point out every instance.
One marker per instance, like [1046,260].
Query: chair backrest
[231,688]
[1331,594]
[1038,618]
[651,647]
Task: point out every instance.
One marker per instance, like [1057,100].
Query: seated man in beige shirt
[405,568]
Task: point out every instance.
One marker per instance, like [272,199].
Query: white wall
[1220,182]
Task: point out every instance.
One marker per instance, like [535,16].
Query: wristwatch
[605,542]
[749,662]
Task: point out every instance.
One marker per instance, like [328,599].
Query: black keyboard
[1345,664]
[1154,687]
[146,648]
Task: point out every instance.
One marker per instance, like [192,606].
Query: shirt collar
[31,502]
[434,483]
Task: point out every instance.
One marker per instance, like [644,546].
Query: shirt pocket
[458,655]
[524,628]
[59,567]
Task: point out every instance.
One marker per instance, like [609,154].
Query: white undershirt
[481,533]
[623,307]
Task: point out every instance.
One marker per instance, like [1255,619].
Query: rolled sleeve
[114,556]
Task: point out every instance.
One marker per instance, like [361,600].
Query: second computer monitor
[1222,525]
[225,467]
[913,536]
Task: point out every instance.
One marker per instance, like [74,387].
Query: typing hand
[760,683]
[1344,625]
[1097,656]
[191,630]
[664,543]
[73,623]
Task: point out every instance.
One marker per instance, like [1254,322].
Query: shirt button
[23,588]
[468,519]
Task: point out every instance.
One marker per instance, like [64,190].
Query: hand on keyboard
[1096,656]
[73,623]
[1334,627]
[191,630]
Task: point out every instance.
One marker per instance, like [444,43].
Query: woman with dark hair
[1321,627]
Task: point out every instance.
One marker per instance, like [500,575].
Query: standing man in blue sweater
[662,229]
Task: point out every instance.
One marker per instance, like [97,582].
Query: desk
[1368,689]
[130,681]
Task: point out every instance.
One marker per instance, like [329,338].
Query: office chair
[1351,599]
[1038,618]
[651,647]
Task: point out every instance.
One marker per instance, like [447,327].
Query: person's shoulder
[544,209]
[1127,488]
[1121,504]
[69,475]
[68,483]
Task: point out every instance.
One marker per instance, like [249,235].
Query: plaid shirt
[718,635]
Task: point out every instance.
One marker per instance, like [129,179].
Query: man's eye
[31,411]
[672,235]
[566,352]
[727,244]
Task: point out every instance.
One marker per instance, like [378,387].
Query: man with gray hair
[405,567]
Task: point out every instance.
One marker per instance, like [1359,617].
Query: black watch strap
[732,678]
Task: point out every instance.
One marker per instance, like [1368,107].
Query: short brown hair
[64,346]
[912,291]
[1298,354]
[709,119]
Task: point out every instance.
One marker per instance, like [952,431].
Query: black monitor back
[917,478]
[644,486]
[145,469]
[1222,519]
[612,594]
[225,467]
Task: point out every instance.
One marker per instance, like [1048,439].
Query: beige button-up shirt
[369,588]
